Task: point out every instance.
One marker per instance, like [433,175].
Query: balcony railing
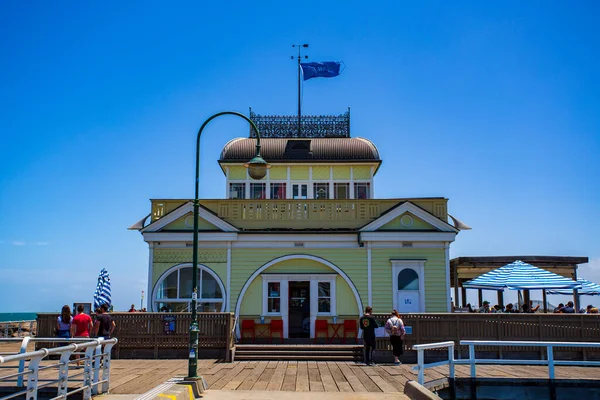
[304,214]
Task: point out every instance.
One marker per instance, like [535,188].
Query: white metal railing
[421,358]
[95,378]
[5,325]
[472,361]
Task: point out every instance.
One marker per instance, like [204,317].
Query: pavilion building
[309,241]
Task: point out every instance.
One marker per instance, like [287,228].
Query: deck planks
[140,376]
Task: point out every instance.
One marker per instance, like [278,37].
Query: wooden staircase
[298,352]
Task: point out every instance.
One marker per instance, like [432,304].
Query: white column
[352,183]
[227,184]
[369,280]
[314,305]
[371,185]
[228,289]
[309,192]
[284,306]
[247,185]
[331,192]
[447,262]
[268,185]
[288,187]
[149,293]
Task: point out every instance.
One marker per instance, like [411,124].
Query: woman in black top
[368,324]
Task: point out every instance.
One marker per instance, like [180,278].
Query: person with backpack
[395,328]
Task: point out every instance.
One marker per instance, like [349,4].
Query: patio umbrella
[587,288]
[102,293]
[521,276]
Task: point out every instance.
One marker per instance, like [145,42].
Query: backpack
[395,329]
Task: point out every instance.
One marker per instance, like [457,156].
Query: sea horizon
[17,316]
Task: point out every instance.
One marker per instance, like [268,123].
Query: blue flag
[327,69]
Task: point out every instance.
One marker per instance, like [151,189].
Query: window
[341,190]
[362,190]
[324,298]
[278,191]
[300,191]
[408,279]
[321,190]
[173,291]
[258,191]
[236,190]
[274,297]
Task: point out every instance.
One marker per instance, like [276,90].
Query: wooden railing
[431,328]
[160,330]
[249,214]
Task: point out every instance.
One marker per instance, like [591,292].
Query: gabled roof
[187,208]
[402,208]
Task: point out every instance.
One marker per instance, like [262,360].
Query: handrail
[95,376]
[421,358]
[472,361]
[550,362]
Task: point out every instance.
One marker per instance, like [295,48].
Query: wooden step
[295,357]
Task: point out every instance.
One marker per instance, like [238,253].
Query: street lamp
[257,169]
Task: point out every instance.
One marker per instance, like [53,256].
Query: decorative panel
[278,173]
[185,255]
[361,172]
[320,172]
[341,172]
[237,172]
[299,172]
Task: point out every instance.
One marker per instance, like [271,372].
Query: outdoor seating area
[326,331]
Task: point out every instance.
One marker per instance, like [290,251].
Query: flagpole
[300,46]
[299,97]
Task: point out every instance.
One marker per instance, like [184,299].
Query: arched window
[408,279]
[173,291]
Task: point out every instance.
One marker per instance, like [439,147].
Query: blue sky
[494,106]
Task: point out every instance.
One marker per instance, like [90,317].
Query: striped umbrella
[587,288]
[102,293]
[521,276]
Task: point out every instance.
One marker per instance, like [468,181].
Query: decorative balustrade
[306,214]
[311,126]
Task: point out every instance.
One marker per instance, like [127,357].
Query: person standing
[368,324]
[132,309]
[104,325]
[63,324]
[395,328]
[81,327]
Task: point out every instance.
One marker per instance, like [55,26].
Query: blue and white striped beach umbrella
[588,288]
[102,293]
[521,276]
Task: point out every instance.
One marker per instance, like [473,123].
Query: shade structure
[587,288]
[102,293]
[521,276]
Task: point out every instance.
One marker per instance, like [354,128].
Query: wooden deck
[139,376]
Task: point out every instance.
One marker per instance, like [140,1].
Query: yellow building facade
[309,241]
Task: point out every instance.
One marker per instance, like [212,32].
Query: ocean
[17,316]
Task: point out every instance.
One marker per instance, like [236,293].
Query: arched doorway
[270,292]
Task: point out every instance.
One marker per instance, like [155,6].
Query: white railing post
[421,362]
[472,359]
[63,372]
[550,354]
[87,373]
[451,360]
[32,379]
[23,350]
[106,367]
[97,360]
